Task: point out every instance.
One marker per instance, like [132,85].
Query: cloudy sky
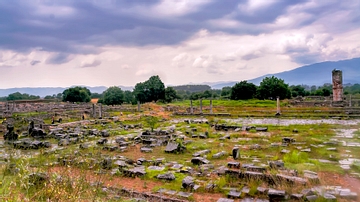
[49,43]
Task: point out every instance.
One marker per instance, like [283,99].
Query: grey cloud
[34,62]
[94,63]
[59,58]
[266,14]
[251,56]
[98,23]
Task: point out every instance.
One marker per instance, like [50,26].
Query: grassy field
[82,177]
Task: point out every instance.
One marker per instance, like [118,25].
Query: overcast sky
[49,43]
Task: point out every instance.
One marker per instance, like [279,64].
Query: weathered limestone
[337,85]
[278,106]
[10,134]
[93,111]
[191,107]
[100,110]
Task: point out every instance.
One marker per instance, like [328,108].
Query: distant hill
[44,91]
[314,74]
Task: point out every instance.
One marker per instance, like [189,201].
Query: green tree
[129,97]
[151,90]
[49,97]
[271,87]
[96,95]
[152,122]
[170,94]
[297,90]
[113,96]
[19,96]
[243,91]
[226,91]
[77,94]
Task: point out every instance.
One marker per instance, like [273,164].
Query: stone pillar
[191,107]
[93,111]
[278,106]
[100,110]
[200,106]
[337,85]
[211,110]
[350,101]
[138,105]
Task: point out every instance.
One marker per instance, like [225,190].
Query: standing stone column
[100,110]
[200,106]
[191,107]
[277,106]
[138,104]
[94,111]
[337,85]
[350,101]
[211,110]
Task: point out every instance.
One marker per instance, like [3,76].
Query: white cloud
[178,7]
[90,62]
[253,5]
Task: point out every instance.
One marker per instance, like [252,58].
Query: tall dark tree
[243,91]
[156,88]
[170,94]
[271,87]
[141,93]
[77,94]
[150,90]
[113,96]
[129,97]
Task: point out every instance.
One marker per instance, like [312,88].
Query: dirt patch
[345,181]
[137,184]
[94,100]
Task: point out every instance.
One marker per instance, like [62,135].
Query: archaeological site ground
[206,150]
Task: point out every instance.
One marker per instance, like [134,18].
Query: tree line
[154,89]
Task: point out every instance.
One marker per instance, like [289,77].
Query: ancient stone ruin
[337,81]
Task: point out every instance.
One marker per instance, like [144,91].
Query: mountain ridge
[313,74]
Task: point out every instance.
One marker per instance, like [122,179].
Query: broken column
[277,106]
[93,111]
[337,85]
[211,110]
[191,107]
[100,110]
[350,101]
[200,106]
[138,105]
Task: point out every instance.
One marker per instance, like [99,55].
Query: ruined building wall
[337,85]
